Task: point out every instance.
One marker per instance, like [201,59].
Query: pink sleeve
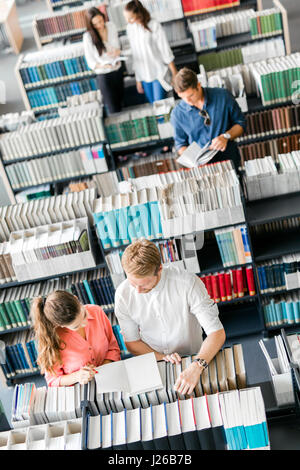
[113,352]
[53,380]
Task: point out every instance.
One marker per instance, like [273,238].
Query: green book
[16,313]
[4,320]
[21,312]
[10,314]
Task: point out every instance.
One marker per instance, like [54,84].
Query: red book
[250,280]
[234,283]
[215,288]
[208,286]
[228,286]
[222,287]
[240,282]
[244,279]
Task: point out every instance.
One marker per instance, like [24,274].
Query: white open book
[135,375]
[112,60]
[195,156]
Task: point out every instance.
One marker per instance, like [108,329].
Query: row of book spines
[272,121]
[221,59]
[197,6]
[281,313]
[272,277]
[131,130]
[124,226]
[96,292]
[61,23]
[14,314]
[277,86]
[229,285]
[135,171]
[272,147]
[16,359]
[52,70]
[234,246]
[168,251]
[264,24]
[58,94]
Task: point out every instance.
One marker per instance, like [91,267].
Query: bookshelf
[10,22]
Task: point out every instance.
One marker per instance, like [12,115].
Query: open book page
[112,60]
[195,156]
[112,377]
[143,373]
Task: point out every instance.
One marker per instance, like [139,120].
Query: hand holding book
[219,143]
[188,379]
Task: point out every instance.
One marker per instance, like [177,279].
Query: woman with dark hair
[101,49]
[72,338]
[153,59]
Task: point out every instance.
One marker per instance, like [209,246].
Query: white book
[195,156]
[135,375]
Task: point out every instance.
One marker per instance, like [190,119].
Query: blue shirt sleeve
[236,114]
[180,136]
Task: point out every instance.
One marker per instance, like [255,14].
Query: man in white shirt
[162,310]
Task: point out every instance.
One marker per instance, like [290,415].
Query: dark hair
[185,79]
[138,9]
[96,38]
[60,308]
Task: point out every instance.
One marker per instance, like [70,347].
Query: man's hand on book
[219,143]
[139,87]
[188,379]
[174,358]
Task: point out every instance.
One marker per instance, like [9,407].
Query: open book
[195,156]
[112,60]
[135,375]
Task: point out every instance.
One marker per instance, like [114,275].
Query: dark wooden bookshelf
[274,246]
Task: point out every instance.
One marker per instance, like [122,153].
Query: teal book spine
[155,219]
[102,230]
[88,291]
[112,227]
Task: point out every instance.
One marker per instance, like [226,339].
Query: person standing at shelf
[153,59]
[163,310]
[102,49]
[72,338]
[206,115]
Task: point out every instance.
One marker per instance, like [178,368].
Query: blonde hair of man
[141,259]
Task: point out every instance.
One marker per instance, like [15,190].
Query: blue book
[98,283]
[264,277]
[296,310]
[21,356]
[102,230]
[257,436]
[290,312]
[284,314]
[155,219]
[88,291]
[113,229]
[106,289]
[10,352]
[246,243]
[138,216]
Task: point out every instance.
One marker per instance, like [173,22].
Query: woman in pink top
[72,338]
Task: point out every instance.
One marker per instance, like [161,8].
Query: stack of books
[204,34]
[51,249]
[196,424]
[206,6]
[53,65]
[53,97]
[282,310]
[45,211]
[231,284]
[233,244]
[132,127]
[176,32]
[266,49]
[265,23]
[21,354]
[279,274]
[53,135]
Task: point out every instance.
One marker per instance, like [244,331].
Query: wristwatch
[201,362]
[227,136]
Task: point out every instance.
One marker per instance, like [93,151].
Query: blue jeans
[154,91]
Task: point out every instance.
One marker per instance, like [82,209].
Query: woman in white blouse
[101,49]
[153,59]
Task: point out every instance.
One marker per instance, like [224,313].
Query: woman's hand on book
[86,374]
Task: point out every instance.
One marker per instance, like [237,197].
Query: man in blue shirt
[206,115]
